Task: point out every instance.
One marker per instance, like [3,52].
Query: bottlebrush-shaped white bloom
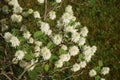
[52,15]
[75,67]
[46,54]
[92,73]
[65,57]
[16,18]
[19,54]
[57,39]
[36,14]
[105,70]
[59,64]
[73,50]
[40,1]
[14,41]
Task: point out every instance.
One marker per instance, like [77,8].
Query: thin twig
[3,73]
[45,10]
[73,76]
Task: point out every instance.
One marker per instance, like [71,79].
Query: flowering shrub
[49,49]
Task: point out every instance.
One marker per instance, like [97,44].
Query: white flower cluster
[16,7]
[88,52]
[52,15]
[104,71]
[12,39]
[66,24]
[16,18]
[40,1]
[45,28]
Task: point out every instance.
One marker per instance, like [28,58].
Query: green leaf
[37,34]
[97,68]
[50,45]
[62,51]
[97,77]
[100,63]
[40,36]
[80,57]
[29,56]
[32,74]
[46,67]
[53,58]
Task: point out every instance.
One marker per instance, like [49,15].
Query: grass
[102,17]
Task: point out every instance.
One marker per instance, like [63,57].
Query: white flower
[30,11]
[64,47]
[75,67]
[13,2]
[81,41]
[57,39]
[19,54]
[75,37]
[87,50]
[37,49]
[84,31]
[83,64]
[70,29]
[102,79]
[94,48]
[16,18]
[45,52]
[66,18]
[58,1]
[105,70]
[40,1]
[92,73]
[15,60]
[73,50]
[59,64]
[26,34]
[64,57]
[52,15]
[37,54]
[31,65]
[17,9]
[69,9]
[7,36]
[14,41]
[31,40]
[38,43]
[49,32]
[45,27]
[23,63]
[36,14]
